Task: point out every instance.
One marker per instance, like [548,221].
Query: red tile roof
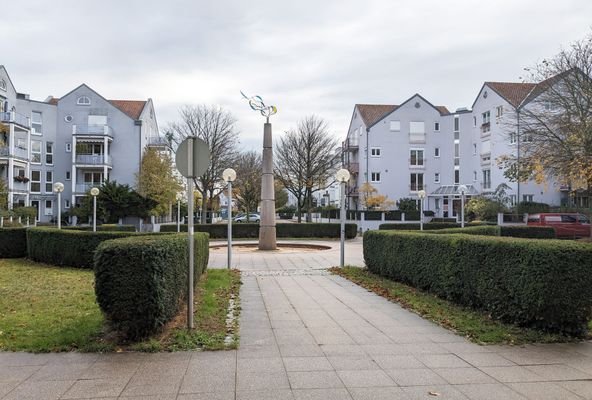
[443,110]
[133,108]
[513,92]
[372,113]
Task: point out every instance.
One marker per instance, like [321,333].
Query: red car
[566,225]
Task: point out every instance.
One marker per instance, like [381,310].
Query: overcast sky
[305,57]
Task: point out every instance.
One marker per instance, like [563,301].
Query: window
[67,203]
[528,197]
[36,151]
[436,152]
[3,85]
[513,137]
[437,177]
[486,147]
[474,149]
[474,121]
[583,219]
[456,123]
[527,137]
[48,207]
[395,126]
[417,131]
[35,181]
[37,122]
[68,176]
[375,177]
[486,179]
[513,201]
[68,147]
[437,203]
[375,151]
[486,126]
[18,171]
[416,158]
[456,176]
[416,182]
[83,101]
[499,111]
[456,135]
[437,126]
[49,153]
[475,176]
[48,181]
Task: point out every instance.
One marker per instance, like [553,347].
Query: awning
[452,190]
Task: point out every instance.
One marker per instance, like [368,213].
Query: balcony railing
[416,187]
[85,187]
[353,192]
[351,144]
[92,159]
[93,130]
[16,118]
[157,141]
[353,167]
[17,152]
[417,162]
[485,128]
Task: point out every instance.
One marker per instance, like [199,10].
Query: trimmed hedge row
[104,227]
[527,232]
[251,231]
[416,226]
[13,242]
[543,284]
[63,247]
[140,281]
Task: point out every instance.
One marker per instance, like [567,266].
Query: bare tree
[305,160]
[247,187]
[215,126]
[553,126]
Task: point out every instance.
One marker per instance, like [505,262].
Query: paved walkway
[309,335]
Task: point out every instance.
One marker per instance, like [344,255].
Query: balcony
[353,192]
[417,163]
[351,144]
[157,141]
[13,117]
[92,130]
[93,159]
[353,168]
[485,129]
[85,187]
[485,158]
[417,187]
[18,152]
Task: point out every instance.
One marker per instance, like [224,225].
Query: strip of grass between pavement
[474,325]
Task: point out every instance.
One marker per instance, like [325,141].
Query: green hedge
[543,284]
[67,247]
[416,226]
[527,232]
[140,281]
[13,242]
[288,230]
[104,228]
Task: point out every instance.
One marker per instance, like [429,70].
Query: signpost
[192,159]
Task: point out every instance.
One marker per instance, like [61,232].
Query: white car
[252,218]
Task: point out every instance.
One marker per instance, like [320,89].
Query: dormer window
[3,85]
[83,101]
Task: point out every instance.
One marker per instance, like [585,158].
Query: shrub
[67,247]
[392,215]
[104,228]
[251,231]
[140,281]
[485,230]
[543,284]
[13,242]
[443,220]
[531,207]
[529,232]
[407,204]
[416,226]
[483,209]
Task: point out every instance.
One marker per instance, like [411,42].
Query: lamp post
[179,197]
[58,187]
[421,194]
[342,176]
[463,190]
[229,175]
[94,193]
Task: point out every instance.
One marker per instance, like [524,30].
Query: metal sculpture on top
[256,103]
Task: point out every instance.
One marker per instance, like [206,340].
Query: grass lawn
[474,325]
[45,309]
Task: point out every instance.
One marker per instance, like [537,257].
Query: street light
[179,198]
[342,176]
[421,194]
[94,192]
[58,187]
[463,190]
[229,175]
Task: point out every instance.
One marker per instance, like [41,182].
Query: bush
[392,215]
[532,207]
[140,281]
[13,242]
[416,226]
[483,209]
[543,284]
[443,220]
[528,232]
[67,247]
[251,231]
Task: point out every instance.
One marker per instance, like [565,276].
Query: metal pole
[59,210]
[178,216]
[190,234]
[342,217]
[94,213]
[421,214]
[462,210]
[229,224]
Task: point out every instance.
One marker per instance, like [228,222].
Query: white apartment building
[402,149]
[80,139]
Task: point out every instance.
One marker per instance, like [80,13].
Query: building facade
[80,139]
[403,149]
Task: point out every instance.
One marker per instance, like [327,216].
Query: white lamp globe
[229,175]
[58,187]
[342,175]
[94,191]
[179,196]
[462,189]
[421,194]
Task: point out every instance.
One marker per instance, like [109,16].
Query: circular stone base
[282,247]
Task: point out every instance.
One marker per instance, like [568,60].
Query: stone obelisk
[267,237]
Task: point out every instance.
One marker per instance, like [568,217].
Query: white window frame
[417,159]
[83,101]
[40,123]
[375,177]
[68,175]
[499,111]
[48,211]
[474,121]
[66,203]
[49,153]
[375,152]
[513,137]
[474,149]
[36,152]
[33,181]
[395,126]
[49,181]
[436,152]
[528,197]
[456,124]
[417,188]
[68,147]
[436,177]
[436,126]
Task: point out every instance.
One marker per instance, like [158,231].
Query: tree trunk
[309,204]
[204,207]
[299,211]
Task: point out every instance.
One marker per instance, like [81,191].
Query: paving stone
[558,372]
[368,378]
[301,350]
[314,380]
[322,394]
[262,381]
[486,360]
[457,376]
[432,392]
[512,374]
[543,391]
[442,361]
[215,382]
[307,364]
[398,362]
[378,393]
[262,365]
[20,373]
[6,387]
[415,377]
[35,390]
[285,394]
[492,391]
[208,396]
[343,363]
[60,372]
[89,388]
[581,388]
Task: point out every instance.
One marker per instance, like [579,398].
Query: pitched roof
[133,108]
[442,109]
[513,92]
[372,113]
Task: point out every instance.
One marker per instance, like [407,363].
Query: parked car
[243,218]
[566,225]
